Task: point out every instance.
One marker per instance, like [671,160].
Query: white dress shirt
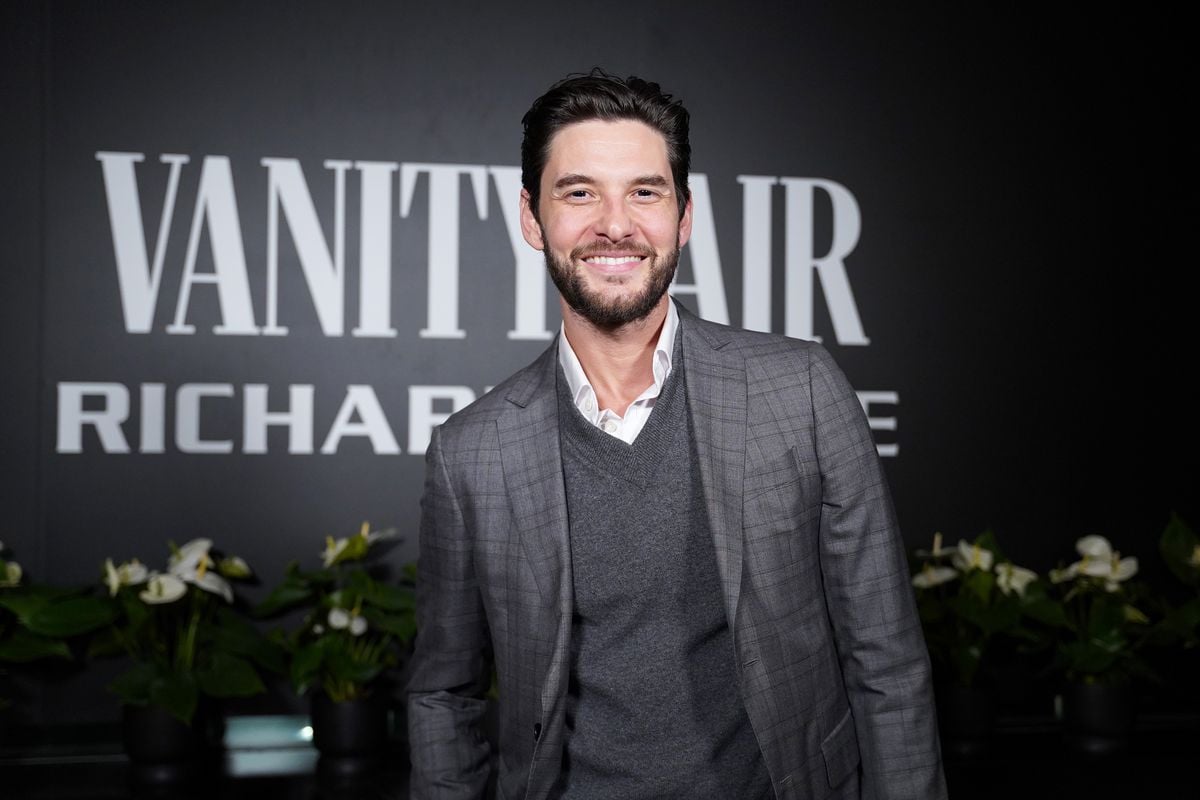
[628,427]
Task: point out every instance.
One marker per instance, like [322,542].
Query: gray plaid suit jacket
[832,665]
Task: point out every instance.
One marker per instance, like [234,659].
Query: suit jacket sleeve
[885,664]
[450,670]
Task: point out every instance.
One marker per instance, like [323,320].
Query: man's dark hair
[598,95]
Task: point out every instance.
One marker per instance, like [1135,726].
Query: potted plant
[1178,632]
[39,622]
[974,606]
[357,622]
[1180,549]
[189,645]
[1099,643]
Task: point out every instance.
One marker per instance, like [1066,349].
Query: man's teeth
[610,260]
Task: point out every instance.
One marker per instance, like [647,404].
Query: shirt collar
[581,387]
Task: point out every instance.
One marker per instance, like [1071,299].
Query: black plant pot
[966,719]
[163,750]
[1098,719]
[350,736]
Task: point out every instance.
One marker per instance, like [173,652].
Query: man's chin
[613,312]
[613,301]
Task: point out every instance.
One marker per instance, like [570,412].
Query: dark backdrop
[1021,178]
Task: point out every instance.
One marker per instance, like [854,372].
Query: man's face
[609,222]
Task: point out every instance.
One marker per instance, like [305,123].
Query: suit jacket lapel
[533,475]
[716,385]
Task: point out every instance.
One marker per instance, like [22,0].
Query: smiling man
[671,540]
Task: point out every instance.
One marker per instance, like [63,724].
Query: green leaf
[979,583]
[306,664]
[137,614]
[987,540]
[23,602]
[1177,544]
[1044,610]
[355,550]
[234,634]
[966,661]
[295,590]
[177,694]
[133,685]
[1088,658]
[1107,619]
[343,666]
[403,625]
[105,644]
[225,675]
[22,647]
[388,596]
[71,616]
[1180,625]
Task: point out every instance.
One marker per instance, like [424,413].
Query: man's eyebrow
[652,180]
[571,180]
[574,179]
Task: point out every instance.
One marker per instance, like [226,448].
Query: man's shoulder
[510,394]
[758,348]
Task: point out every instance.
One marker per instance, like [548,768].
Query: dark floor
[1025,759]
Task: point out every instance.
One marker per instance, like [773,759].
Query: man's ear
[685,222]
[530,229]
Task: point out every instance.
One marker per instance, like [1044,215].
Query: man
[672,539]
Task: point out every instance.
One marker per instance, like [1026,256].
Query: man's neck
[618,362]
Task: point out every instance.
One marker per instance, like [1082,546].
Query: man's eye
[578,193]
[645,194]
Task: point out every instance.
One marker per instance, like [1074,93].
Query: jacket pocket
[840,749]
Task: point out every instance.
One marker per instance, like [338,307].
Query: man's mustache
[611,248]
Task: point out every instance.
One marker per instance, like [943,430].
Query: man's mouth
[613,265]
[614,261]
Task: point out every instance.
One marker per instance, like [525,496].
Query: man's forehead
[607,140]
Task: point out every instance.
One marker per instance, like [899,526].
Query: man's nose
[614,221]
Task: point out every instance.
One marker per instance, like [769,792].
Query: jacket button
[537,731]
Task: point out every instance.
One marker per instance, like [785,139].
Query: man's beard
[615,312]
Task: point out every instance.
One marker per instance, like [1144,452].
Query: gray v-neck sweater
[653,706]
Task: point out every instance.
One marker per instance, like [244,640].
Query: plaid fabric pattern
[833,669]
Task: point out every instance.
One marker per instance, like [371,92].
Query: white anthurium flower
[1096,567]
[1121,569]
[131,573]
[212,582]
[1065,574]
[1011,578]
[342,619]
[377,536]
[112,579]
[333,549]
[193,564]
[192,557]
[971,556]
[938,551]
[234,567]
[1096,547]
[10,575]
[931,576]
[1194,559]
[162,588]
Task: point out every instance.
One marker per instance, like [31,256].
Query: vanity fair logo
[105,407]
